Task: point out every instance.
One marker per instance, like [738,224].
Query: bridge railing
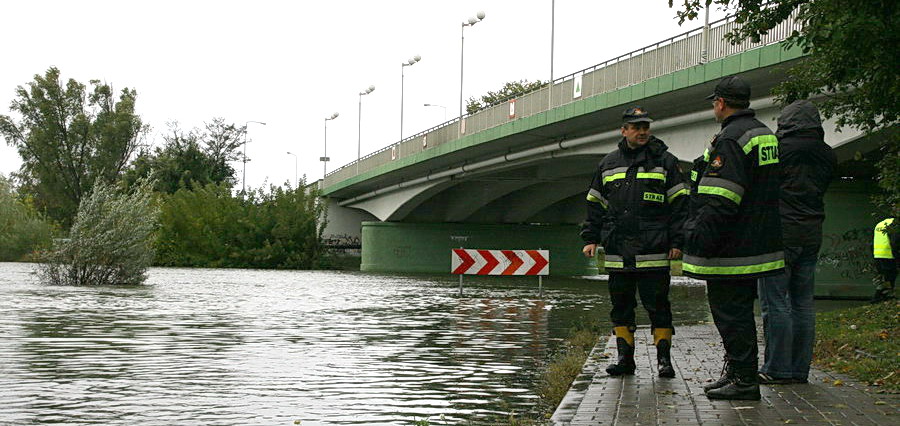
[664,57]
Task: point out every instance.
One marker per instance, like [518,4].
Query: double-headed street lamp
[296,182]
[359,126]
[462,56]
[324,159]
[412,61]
[244,172]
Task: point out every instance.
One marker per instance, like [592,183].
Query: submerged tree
[69,137]
[111,240]
[210,227]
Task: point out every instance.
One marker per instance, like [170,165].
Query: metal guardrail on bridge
[673,54]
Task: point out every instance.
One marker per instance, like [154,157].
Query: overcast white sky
[292,63]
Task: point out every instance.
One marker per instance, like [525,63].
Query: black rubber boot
[624,365]
[742,386]
[662,338]
[727,375]
[882,293]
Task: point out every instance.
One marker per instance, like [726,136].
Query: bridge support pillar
[425,247]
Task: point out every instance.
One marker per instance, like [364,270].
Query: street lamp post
[412,61]
[244,172]
[472,21]
[324,159]
[359,126]
[704,52]
[296,182]
[440,106]
[552,34]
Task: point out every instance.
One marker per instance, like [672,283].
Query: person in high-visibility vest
[885,250]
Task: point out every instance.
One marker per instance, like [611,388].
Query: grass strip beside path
[862,342]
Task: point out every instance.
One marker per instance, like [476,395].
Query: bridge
[515,174]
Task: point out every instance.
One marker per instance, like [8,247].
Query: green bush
[209,227]
[23,231]
[110,241]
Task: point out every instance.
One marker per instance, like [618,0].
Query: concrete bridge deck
[645,399]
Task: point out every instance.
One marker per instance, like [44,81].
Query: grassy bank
[564,366]
[862,342]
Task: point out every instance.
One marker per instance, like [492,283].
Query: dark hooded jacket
[807,167]
[636,207]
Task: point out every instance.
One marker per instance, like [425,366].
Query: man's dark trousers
[731,304]
[653,288]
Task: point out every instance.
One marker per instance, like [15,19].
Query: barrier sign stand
[460,281]
[500,262]
[540,283]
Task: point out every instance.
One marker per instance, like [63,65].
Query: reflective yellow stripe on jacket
[881,243]
[721,187]
[659,260]
[676,191]
[617,173]
[595,196]
[734,265]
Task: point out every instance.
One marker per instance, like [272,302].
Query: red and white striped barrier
[500,262]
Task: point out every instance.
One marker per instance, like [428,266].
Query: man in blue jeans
[786,300]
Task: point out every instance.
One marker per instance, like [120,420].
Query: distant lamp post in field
[296,181]
[359,127]
[324,159]
[244,172]
[472,21]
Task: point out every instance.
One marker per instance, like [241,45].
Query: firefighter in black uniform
[733,231]
[636,208]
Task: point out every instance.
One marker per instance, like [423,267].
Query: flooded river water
[214,346]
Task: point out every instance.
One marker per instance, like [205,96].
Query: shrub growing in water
[110,241]
[210,227]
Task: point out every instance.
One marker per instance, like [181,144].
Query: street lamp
[472,21]
[412,61]
[440,106]
[296,182]
[359,126]
[324,159]
[244,172]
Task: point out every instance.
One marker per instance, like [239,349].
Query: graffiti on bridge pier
[341,242]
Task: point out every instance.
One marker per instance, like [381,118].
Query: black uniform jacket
[636,207]
[733,230]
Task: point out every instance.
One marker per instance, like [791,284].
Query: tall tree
[191,159]
[70,136]
[852,60]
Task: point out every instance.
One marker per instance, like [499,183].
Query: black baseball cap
[733,88]
[636,115]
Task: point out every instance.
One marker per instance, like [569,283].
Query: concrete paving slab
[646,399]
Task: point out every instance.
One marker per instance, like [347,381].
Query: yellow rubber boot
[662,339]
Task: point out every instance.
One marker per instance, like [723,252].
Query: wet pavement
[645,399]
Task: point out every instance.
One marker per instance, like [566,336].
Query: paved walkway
[644,399]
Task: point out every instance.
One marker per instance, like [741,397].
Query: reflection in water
[269,347]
